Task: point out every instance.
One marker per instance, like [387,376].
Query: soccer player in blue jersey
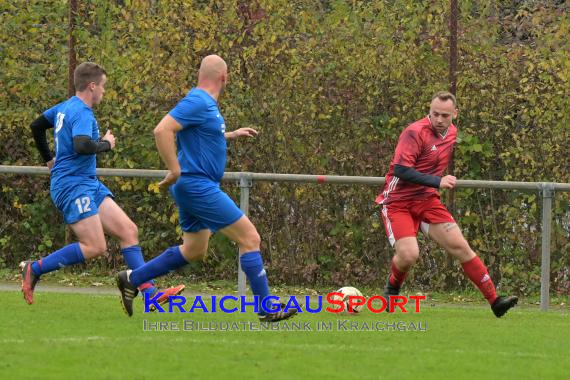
[86,204]
[194,174]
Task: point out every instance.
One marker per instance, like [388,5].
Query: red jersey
[420,147]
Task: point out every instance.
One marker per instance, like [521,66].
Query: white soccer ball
[349,291]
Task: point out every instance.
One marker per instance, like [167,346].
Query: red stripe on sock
[397,277]
[478,273]
[146,285]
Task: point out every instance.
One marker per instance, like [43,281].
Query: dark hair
[86,73]
[445,95]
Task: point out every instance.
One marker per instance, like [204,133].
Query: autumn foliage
[329,85]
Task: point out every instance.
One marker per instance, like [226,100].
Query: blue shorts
[203,205]
[79,200]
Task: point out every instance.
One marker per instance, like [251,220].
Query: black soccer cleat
[279,315]
[390,290]
[128,291]
[502,304]
[29,281]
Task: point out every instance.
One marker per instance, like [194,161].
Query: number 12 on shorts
[83,204]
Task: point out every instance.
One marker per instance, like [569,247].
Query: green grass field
[88,337]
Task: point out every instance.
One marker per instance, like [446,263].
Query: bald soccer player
[191,140]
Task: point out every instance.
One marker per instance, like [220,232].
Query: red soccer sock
[478,273]
[397,277]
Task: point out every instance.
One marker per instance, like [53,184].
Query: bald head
[212,68]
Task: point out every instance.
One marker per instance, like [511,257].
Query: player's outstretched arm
[165,138]
[39,128]
[245,132]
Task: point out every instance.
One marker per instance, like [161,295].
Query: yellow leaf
[154,188]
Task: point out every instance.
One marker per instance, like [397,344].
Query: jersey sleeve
[51,114]
[82,125]
[190,112]
[408,149]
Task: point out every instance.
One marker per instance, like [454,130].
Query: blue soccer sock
[134,259]
[167,261]
[252,265]
[68,255]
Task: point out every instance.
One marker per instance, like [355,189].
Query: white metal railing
[245,179]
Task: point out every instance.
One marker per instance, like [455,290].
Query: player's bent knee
[133,230]
[409,260]
[250,241]
[94,250]
[408,257]
[459,248]
[193,254]
[130,234]
[254,239]
[101,249]
[196,256]
[463,253]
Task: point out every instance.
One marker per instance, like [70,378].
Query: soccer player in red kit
[410,201]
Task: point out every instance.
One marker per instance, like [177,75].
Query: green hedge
[329,85]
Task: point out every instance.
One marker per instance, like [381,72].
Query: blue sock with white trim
[252,265]
[134,258]
[167,261]
[68,255]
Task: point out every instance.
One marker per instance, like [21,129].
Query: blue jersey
[201,144]
[71,118]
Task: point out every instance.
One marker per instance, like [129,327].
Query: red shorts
[404,218]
